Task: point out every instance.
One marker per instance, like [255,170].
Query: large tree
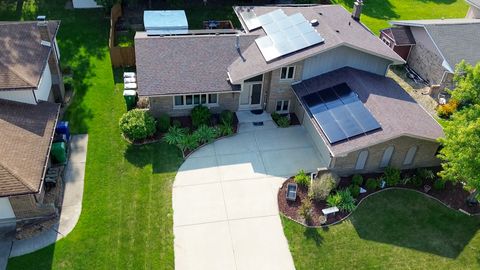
[461,146]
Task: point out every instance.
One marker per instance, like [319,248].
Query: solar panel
[339,113]
[287,34]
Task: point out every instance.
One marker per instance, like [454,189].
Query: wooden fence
[120,56]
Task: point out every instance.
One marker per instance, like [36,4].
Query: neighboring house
[287,61]
[29,62]
[434,47]
[30,83]
[85,4]
[474,9]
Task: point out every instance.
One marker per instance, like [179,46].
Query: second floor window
[287,73]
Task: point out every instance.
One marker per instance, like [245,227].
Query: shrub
[226,117]
[176,123]
[446,110]
[334,200]
[205,134]
[357,179]
[200,116]
[439,184]
[425,174]
[225,130]
[187,143]
[275,116]
[163,123]
[283,122]
[354,190]
[305,210]
[347,202]
[174,135]
[371,184]
[417,180]
[392,176]
[137,124]
[322,187]
[302,179]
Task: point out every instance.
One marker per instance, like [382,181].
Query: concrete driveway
[225,199]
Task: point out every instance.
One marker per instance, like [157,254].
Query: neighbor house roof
[170,65]
[396,111]
[23,58]
[475,3]
[26,133]
[335,25]
[401,35]
[456,39]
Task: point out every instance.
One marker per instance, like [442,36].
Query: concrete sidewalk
[72,201]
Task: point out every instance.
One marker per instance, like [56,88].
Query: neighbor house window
[287,73]
[282,106]
[193,100]
[386,41]
[410,155]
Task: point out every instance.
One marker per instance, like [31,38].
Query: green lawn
[395,229]
[377,13]
[126,221]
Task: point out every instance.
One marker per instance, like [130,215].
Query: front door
[251,96]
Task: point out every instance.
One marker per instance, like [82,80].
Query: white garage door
[318,141]
[7,217]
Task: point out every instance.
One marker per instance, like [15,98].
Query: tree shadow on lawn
[312,234]
[411,220]
[161,156]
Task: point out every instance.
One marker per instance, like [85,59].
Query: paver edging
[374,193]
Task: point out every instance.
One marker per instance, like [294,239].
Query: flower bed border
[374,193]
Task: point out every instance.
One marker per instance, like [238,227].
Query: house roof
[456,39]
[401,35]
[170,65]
[335,25]
[23,58]
[395,110]
[26,132]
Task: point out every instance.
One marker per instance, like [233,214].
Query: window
[387,155]
[193,100]
[386,41]
[410,155]
[287,73]
[361,160]
[282,106]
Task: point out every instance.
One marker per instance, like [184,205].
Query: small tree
[322,186]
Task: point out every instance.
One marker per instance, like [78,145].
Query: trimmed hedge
[137,124]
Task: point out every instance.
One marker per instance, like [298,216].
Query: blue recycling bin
[62,128]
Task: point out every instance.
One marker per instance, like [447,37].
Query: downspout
[34,96]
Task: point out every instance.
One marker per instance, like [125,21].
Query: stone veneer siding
[424,157]
[282,89]
[427,63]
[164,104]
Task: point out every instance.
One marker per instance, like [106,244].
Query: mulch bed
[290,209]
[453,195]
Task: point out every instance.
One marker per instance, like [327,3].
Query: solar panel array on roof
[285,34]
[339,113]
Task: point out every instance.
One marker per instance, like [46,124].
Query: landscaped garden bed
[308,210]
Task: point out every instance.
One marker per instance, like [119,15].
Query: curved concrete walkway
[72,201]
[225,199]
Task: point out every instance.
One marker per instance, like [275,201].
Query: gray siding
[317,140]
[343,57]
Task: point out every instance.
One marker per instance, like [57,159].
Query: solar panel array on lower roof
[339,113]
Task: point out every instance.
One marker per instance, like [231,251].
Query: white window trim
[283,101]
[185,106]
[287,79]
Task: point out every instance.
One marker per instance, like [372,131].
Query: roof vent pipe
[357,10]
[237,43]
[314,22]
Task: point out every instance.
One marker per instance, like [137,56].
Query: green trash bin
[59,152]
[130,98]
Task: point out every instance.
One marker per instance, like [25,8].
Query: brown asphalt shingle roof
[331,18]
[401,35]
[185,64]
[26,131]
[23,58]
[396,111]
